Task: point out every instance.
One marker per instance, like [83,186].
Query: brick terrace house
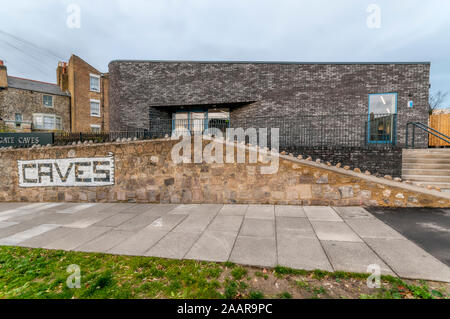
[27,105]
[333,110]
[89,90]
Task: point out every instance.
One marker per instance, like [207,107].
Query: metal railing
[64,138]
[425,128]
[294,132]
[300,131]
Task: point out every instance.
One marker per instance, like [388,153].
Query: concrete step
[426,166]
[426,160]
[427,178]
[427,150]
[429,172]
[430,155]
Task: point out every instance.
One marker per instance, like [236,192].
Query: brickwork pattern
[269,89]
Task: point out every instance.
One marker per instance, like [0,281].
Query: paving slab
[353,212]
[373,228]
[300,227]
[321,214]
[256,251]
[289,211]
[261,212]
[26,210]
[139,243]
[139,222]
[409,260]
[115,208]
[74,208]
[140,208]
[194,223]
[77,238]
[88,221]
[301,253]
[233,210]
[106,241]
[174,245]
[353,257]
[258,228]
[26,234]
[47,238]
[115,220]
[9,206]
[184,209]
[11,230]
[37,218]
[213,246]
[334,231]
[166,222]
[7,224]
[225,223]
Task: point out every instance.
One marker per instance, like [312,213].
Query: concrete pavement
[326,238]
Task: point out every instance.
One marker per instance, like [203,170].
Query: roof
[263,62]
[36,86]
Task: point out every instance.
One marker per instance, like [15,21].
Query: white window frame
[42,125]
[53,100]
[99,107]
[99,82]
[96,126]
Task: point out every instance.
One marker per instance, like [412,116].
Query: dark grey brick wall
[276,89]
[381,160]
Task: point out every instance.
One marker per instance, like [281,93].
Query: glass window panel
[382,103]
[95,108]
[49,122]
[95,84]
[48,100]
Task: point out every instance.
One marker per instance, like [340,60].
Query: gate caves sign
[69,172]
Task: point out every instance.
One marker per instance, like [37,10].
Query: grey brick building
[315,105]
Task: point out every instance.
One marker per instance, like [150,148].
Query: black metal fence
[294,132]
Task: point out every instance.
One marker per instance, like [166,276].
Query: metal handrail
[425,128]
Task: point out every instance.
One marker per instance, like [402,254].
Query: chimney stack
[3,76]
[62,76]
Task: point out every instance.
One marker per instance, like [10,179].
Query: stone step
[432,172]
[427,178]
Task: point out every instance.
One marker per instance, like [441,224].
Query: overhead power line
[35,46]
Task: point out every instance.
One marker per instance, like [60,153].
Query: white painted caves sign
[95,171]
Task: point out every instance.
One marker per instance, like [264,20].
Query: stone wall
[286,90]
[27,103]
[144,172]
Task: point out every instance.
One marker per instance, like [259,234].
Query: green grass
[239,273]
[42,274]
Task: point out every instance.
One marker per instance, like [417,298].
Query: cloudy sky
[34,35]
